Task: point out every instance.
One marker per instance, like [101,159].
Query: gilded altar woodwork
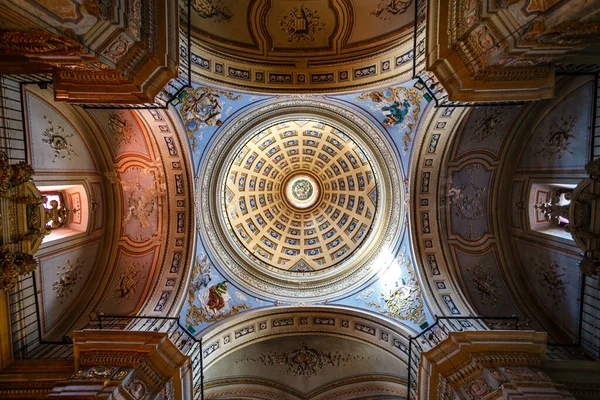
[23,220]
[92,57]
[501,51]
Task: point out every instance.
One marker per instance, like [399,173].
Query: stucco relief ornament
[68,276]
[468,201]
[208,303]
[141,202]
[305,361]
[485,285]
[403,298]
[127,283]
[212,9]
[558,140]
[119,128]
[301,24]
[202,107]
[58,140]
[488,123]
[400,107]
[393,7]
[551,281]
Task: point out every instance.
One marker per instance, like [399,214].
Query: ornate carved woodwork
[99,59]
[493,51]
[583,218]
[23,221]
[488,364]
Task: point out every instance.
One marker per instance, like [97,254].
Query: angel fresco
[400,107]
[395,113]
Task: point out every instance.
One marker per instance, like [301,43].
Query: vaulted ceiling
[313,46]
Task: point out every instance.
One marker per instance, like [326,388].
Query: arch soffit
[431,172]
[262,324]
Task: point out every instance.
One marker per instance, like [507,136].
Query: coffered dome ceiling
[295,46]
[300,196]
[299,199]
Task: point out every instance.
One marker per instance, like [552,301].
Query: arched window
[549,208]
[66,210]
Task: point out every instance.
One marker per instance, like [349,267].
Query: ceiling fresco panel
[563,135]
[64,276]
[555,278]
[55,143]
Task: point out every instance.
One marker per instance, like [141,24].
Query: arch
[244,328]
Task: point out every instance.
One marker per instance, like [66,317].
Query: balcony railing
[28,342]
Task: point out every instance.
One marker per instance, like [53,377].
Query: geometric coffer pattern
[262,216]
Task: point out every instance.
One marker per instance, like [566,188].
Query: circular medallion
[301,191]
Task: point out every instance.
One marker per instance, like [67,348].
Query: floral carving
[558,139]
[68,276]
[58,140]
[488,123]
[119,128]
[485,285]
[305,361]
[551,281]
[400,107]
[36,42]
[393,7]
[301,24]
[127,283]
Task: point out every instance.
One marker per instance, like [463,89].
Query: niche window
[549,209]
[66,210]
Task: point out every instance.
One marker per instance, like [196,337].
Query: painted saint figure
[214,298]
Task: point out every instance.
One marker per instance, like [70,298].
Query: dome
[300,196]
[298,201]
